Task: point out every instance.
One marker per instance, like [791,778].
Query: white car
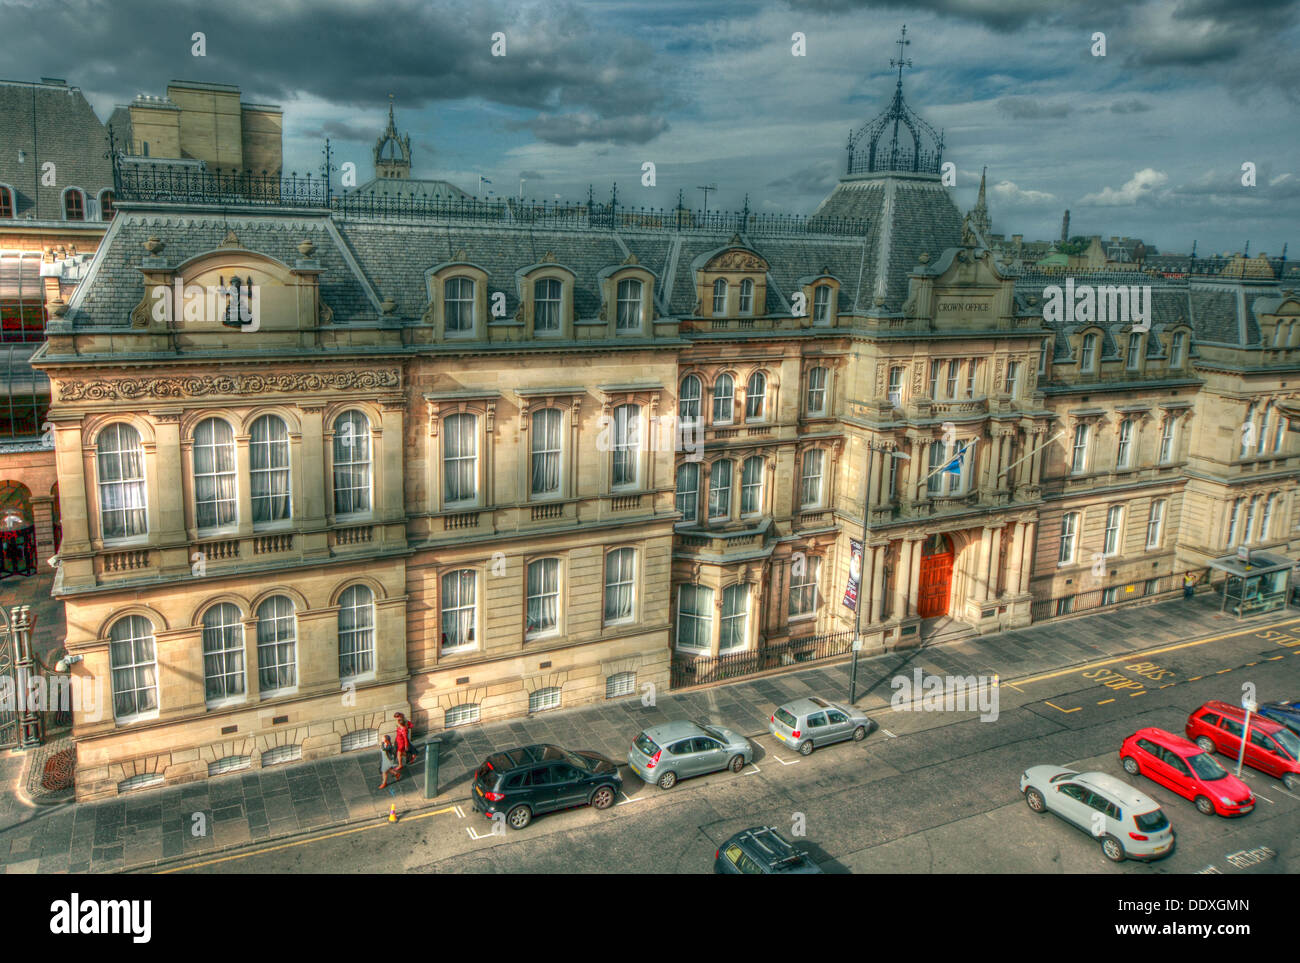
[1128,823]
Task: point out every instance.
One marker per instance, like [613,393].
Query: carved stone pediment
[737,260]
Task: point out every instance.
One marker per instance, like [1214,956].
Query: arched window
[1234,521]
[458,305]
[223,653]
[627,433]
[356,632]
[133,662]
[822,304]
[459,609]
[351,463]
[719,297]
[747,296]
[120,460]
[74,204]
[723,395]
[106,205]
[268,469]
[460,458]
[751,486]
[620,585]
[546,305]
[688,491]
[277,645]
[688,402]
[755,396]
[216,500]
[6,202]
[720,489]
[735,618]
[629,305]
[543,606]
[546,445]
[694,617]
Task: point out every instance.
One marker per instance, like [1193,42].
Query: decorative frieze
[198,386]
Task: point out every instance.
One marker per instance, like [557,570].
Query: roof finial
[900,63]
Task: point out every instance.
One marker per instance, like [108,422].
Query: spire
[392,150]
[979,215]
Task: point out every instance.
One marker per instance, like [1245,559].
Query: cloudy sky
[1147,141]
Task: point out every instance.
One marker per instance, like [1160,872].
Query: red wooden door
[936,578]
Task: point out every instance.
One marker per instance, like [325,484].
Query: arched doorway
[935,589]
[17,530]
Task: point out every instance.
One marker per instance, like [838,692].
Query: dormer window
[1134,351]
[1178,350]
[630,293]
[458,305]
[546,306]
[6,202]
[106,209]
[747,296]
[822,304]
[74,205]
[719,297]
[1088,353]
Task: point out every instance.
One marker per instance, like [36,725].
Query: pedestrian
[1189,585]
[405,738]
[388,762]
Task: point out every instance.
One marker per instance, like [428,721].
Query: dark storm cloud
[531,175]
[557,59]
[1027,108]
[566,130]
[998,15]
[819,178]
[339,129]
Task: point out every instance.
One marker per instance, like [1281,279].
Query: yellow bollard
[392,812]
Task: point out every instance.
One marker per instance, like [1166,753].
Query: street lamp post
[862,561]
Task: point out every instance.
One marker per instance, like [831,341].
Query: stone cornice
[199,386]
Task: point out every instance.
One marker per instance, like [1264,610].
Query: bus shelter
[1254,584]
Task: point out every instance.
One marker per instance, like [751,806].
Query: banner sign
[855,574]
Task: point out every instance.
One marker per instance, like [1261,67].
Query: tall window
[1114,516]
[1247,530]
[1283,425]
[954,370]
[268,469]
[351,463]
[1069,531]
[719,297]
[735,618]
[747,296]
[755,396]
[688,491]
[546,305]
[723,395]
[1178,351]
[277,645]
[720,489]
[215,499]
[1134,351]
[546,447]
[1013,378]
[956,462]
[822,304]
[629,305]
[107,200]
[1079,460]
[1156,524]
[459,609]
[1125,453]
[133,662]
[895,390]
[1088,354]
[1167,440]
[1266,517]
[460,458]
[688,402]
[936,367]
[803,586]
[1234,520]
[970,378]
[356,627]
[627,434]
[74,205]
[120,460]
[458,305]
[694,617]
[223,653]
[543,597]
[1246,438]
[817,391]
[751,486]
[1042,355]
[1261,436]
[811,479]
[620,585]
[6,202]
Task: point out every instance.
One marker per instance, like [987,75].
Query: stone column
[902,574]
[392,443]
[995,559]
[309,466]
[878,461]
[981,573]
[914,578]
[243,486]
[878,582]
[168,488]
[1014,558]
[1027,559]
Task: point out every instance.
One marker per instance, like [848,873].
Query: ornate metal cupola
[897,139]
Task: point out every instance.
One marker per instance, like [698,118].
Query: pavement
[281,806]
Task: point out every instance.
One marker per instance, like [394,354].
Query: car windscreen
[645,744]
[1289,741]
[1206,767]
[785,718]
[1153,821]
[583,765]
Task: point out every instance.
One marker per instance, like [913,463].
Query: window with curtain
[751,486]
[460,458]
[816,402]
[720,489]
[803,586]
[223,653]
[459,609]
[688,402]
[627,436]
[120,462]
[733,629]
[936,368]
[546,447]
[1247,530]
[970,378]
[620,584]
[546,305]
[458,305]
[1110,541]
[630,294]
[1042,355]
[747,296]
[1156,524]
[1125,443]
[719,297]
[356,626]
[1079,459]
[277,645]
[1088,353]
[822,304]
[215,497]
[811,479]
[895,390]
[543,604]
[268,469]
[1234,520]
[723,394]
[133,663]
[1069,531]
[688,491]
[1261,436]
[351,463]
[1167,440]
[1013,378]
[755,396]
[1266,518]
[694,617]
[954,370]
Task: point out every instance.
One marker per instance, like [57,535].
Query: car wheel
[1112,849]
[806,747]
[602,798]
[1204,805]
[1131,766]
[1034,800]
[1291,781]
[668,780]
[737,763]
[1206,743]
[519,817]
[859,733]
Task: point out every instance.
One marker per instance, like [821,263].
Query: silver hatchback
[807,724]
[676,750]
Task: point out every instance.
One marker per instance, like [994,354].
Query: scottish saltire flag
[954,467]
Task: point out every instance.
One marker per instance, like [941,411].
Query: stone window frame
[561,598]
[442,572]
[245,617]
[609,284]
[526,288]
[373,414]
[638,558]
[63,203]
[435,312]
[92,429]
[569,403]
[189,481]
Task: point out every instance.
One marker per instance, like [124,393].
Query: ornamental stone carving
[737,261]
[198,386]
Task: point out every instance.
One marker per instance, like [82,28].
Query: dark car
[531,780]
[759,850]
[1285,713]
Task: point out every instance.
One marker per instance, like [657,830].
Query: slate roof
[407,189]
[55,123]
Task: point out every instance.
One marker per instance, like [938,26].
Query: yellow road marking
[1196,678]
[1133,695]
[1221,671]
[304,842]
[1105,701]
[1059,709]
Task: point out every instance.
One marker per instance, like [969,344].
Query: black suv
[759,850]
[531,780]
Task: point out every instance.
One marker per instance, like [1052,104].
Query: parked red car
[1188,770]
[1272,748]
